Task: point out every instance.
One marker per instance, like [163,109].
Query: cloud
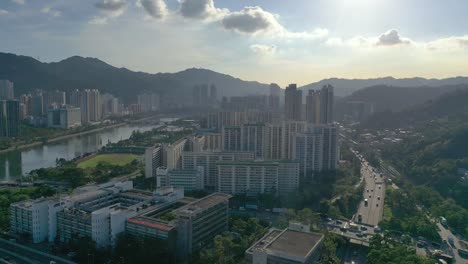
[50,11]
[155,8]
[112,8]
[389,38]
[3,12]
[392,37]
[200,9]
[448,44]
[251,20]
[19,2]
[317,33]
[263,49]
[98,21]
[109,9]
[254,20]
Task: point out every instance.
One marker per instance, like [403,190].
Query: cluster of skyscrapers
[60,109]
[249,146]
[204,96]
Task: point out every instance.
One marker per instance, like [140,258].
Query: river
[17,163]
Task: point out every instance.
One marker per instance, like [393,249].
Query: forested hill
[345,87]
[451,107]
[79,73]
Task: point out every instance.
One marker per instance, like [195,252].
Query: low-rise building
[293,245]
[96,211]
[186,225]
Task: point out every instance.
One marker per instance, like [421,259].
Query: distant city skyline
[266,41]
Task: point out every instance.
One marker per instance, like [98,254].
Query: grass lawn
[114,159]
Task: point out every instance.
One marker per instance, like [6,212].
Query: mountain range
[449,107]
[345,87]
[77,72]
[90,73]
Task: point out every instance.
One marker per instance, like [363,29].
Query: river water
[17,163]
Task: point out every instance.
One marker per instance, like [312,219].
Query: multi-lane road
[374,191]
[445,234]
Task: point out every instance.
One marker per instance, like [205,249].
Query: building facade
[9,118]
[64,117]
[6,90]
[293,103]
[153,160]
[257,177]
[208,160]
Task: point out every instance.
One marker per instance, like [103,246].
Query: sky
[294,41]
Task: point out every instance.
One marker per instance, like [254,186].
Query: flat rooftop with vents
[286,246]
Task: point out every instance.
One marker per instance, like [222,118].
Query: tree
[328,250]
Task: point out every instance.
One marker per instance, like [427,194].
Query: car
[367,190]
[376,205]
[370,196]
[372,190]
[329,219]
[380,187]
[338,222]
[363,228]
[378,197]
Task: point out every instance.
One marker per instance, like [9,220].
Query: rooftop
[295,243]
[204,203]
[137,194]
[288,244]
[153,223]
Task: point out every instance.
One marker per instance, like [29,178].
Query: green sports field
[114,159]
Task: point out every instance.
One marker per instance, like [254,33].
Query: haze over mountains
[78,73]
[451,107]
[345,87]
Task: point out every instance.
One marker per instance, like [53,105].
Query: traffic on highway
[370,209]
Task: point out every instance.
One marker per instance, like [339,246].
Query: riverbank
[59,138]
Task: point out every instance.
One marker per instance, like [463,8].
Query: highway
[445,234]
[374,192]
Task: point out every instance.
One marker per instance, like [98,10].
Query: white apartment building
[256,177]
[172,153]
[316,150]
[188,180]
[153,160]
[207,160]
